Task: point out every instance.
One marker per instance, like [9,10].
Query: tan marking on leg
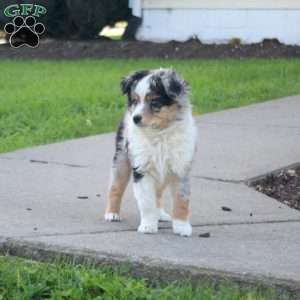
[117,187]
[181,203]
[114,198]
[181,209]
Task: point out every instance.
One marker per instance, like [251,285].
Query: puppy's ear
[174,85]
[128,81]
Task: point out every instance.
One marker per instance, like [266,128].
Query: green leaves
[26,280]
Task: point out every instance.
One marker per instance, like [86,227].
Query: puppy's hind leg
[120,175]
[180,188]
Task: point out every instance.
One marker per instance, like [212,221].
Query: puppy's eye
[155,105]
[133,101]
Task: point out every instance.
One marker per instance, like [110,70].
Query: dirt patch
[283,186]
[61,49]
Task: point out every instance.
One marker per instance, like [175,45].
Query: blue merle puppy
[156,141]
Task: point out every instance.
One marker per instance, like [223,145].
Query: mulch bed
[62,49]
[283,186]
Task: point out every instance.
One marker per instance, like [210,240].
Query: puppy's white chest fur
[163,153]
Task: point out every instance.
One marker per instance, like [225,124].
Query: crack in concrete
[248,125]
[219,179]
[38,161]
[249,181]
[161,227]
[58,163]
[45,162]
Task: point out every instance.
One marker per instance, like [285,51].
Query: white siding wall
[219,25]
[234,4]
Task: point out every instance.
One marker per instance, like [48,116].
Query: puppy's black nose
[137,119]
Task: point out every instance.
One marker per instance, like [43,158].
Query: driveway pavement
[52,201]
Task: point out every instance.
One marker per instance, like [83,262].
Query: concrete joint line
[249,181]
[33,236]
[249,125]
[75,233]
[219,179]
[58,163]
[45,162]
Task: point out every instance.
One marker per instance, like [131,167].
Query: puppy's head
[156,98]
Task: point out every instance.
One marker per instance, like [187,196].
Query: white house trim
[218,21]
[221,4]
[136,7]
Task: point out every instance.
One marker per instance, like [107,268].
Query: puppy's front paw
[148,228]
[183,228]
[112,217]
[163,216]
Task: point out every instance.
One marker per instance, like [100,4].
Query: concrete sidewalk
[52,200]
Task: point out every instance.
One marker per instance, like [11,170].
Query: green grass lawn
[24,280]
[43,102]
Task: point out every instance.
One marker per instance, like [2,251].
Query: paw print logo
[24,32]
